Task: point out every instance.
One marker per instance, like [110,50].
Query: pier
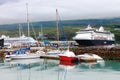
[55,57]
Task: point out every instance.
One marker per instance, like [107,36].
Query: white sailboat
[23,54]
[58,51]
[67,55]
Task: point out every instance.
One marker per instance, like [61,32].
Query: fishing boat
[94,37]
[68,56]
[88,57]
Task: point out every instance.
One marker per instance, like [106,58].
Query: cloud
[14,11]
[7,1]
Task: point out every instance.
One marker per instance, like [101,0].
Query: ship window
[84,36]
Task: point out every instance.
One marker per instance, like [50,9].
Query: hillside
[94,22]
[70,27]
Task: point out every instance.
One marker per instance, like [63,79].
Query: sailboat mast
[28,19]
[20,30]
[41,32]
[57,25]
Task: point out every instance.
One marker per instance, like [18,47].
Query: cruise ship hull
[95,42]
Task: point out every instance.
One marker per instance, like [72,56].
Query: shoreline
[105,53]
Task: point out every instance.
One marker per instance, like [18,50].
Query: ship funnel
[3,36]
[23,36]
[101,29]
[88,27]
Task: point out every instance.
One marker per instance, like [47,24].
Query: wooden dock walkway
[56,57]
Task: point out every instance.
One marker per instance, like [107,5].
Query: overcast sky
[14,11]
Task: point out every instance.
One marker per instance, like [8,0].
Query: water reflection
[25,63]
[67,65]
[43,64]
[64,68]
[89,65]
[46,69]
[48,64]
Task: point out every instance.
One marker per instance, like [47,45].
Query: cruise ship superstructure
[94,37]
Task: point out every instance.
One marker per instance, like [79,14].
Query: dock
[55,57]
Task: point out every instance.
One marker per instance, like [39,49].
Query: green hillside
[69,26]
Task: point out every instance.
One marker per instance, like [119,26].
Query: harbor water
[46,69]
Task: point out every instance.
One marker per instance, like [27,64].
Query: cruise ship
[94,37]
[22,39]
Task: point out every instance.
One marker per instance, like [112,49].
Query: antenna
[28,19]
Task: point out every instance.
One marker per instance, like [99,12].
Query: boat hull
[67,63]
[87,60]
[69,59]
[25,56]
[95,42]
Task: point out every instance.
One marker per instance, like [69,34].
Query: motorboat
[25,56]
[88,57]
[21,54]
[68,56]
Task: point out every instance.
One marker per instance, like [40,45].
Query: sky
[14,11]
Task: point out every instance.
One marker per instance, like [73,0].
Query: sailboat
[68,55]
[56,52]
[24,54]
